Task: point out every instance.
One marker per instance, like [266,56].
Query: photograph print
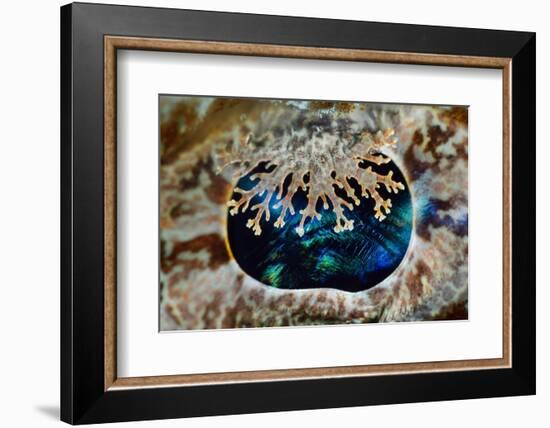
[279,212]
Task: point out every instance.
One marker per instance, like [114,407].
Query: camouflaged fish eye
[284,212]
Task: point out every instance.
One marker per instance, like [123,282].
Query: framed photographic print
[265,213]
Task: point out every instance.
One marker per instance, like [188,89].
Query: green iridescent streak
[272,275]
[327,262]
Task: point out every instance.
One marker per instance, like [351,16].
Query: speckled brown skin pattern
[202,286]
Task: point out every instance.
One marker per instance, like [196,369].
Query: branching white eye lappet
[317,152]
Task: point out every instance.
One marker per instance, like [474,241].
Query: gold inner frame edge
[113,43]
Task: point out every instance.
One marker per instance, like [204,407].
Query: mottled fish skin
[202,286]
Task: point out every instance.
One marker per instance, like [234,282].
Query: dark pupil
[353,260]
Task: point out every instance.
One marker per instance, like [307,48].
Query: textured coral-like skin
[318,151]
[203,287]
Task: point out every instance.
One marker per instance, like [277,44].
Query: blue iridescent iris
[352,261]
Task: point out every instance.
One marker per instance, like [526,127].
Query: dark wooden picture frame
[90,389]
